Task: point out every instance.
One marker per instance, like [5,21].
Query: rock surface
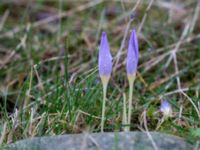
[105,141]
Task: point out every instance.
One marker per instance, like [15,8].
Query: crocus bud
[166,108]
[105,58]
[132,55]
[105,69]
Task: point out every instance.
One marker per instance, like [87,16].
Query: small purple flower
[105,58]
[133,54]
[165,108]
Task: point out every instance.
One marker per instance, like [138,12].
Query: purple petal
[165,106]
[105,58]
[133,54]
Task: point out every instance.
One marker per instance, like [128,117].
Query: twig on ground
[147,131]
[195,17]
[3,20]
[195,107]
[52,18]
[3,133]
[145,16]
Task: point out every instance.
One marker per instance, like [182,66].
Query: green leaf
[195,132]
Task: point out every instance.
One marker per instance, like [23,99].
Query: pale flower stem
[131,81]
[124,119]
[104,80]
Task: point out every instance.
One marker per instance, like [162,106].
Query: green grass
[51,85]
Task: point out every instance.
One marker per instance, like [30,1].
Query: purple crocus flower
[105,69]
[133,54]
[105,58]
[165,108]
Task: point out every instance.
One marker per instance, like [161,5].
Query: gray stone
[105,141]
